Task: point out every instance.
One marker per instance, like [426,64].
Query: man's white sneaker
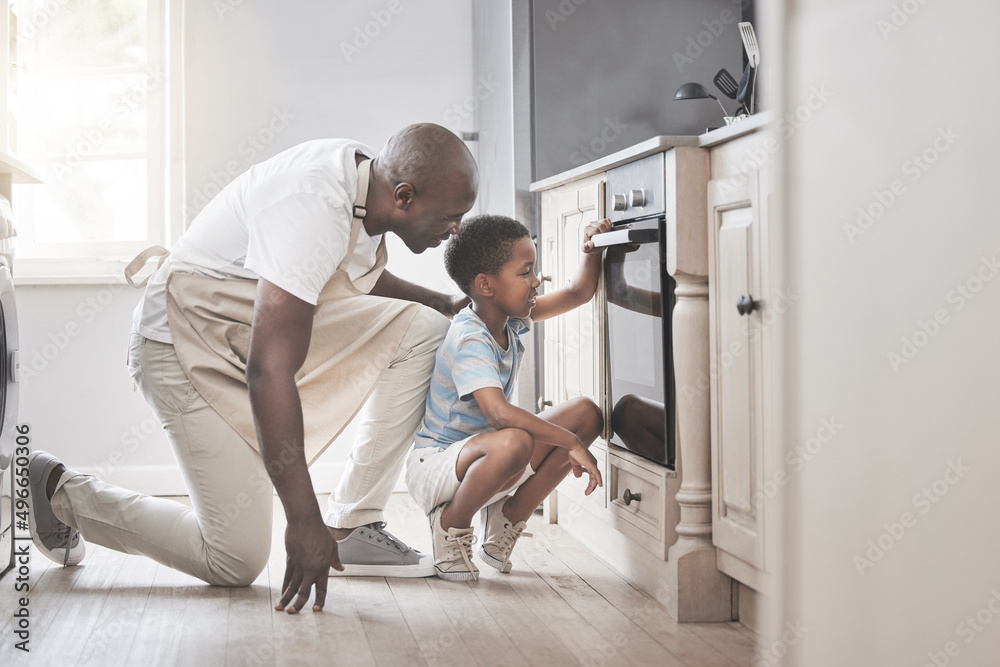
[452,549]
[499,536]
[372,551]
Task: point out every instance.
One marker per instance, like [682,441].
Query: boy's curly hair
[482,245]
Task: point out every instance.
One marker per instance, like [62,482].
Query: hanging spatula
[750,43]
[725,82]
[753,59]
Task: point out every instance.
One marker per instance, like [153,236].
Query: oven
[640,299]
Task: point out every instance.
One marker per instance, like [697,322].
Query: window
[89,88]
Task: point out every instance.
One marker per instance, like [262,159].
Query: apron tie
[140,260]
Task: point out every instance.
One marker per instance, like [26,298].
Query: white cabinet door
[736,358]
[572,340]
[580,327]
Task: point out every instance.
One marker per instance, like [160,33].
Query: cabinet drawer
[651,519]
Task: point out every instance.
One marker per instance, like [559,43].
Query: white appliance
[8,385]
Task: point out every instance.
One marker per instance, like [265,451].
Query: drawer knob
[746,305]
[629,496]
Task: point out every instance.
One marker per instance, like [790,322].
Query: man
[260,337]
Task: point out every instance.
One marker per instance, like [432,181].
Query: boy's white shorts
[432,477]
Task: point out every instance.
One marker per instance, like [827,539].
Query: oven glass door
[640,298]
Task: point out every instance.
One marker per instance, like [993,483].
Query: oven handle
[625,237]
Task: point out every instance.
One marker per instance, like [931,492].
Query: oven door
[640,298]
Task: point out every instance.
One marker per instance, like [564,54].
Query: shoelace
[65,535]
[507,538]
[461,545]
[385,536]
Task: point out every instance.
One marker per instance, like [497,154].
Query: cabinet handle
[629,497]
[542,403]
[545,279]
[746,305]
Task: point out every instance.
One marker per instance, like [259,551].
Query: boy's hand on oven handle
[594,228]
[584,462]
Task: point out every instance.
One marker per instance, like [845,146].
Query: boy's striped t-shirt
[469,359]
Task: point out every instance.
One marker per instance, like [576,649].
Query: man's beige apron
[354,338]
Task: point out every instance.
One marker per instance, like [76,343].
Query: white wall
[878,573]
[259,77]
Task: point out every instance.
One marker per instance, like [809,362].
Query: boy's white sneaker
[499,536]
[452,549]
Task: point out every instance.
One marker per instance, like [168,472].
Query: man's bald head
[426,156]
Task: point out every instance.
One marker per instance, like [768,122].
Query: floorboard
[389,636]
[78,617]
[645,612]
[559,606]
[119,620]
[472,621]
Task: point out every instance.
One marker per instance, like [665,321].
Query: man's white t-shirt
[287,220]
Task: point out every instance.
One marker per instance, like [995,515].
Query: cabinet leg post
[696,590]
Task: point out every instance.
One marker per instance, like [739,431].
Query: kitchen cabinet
[744,306]
[572,342]
[651,522]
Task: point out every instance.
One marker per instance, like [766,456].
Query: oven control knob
[618,203]
[637,198]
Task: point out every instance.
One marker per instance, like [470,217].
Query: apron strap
[140,261]
[364,171]
[359,211]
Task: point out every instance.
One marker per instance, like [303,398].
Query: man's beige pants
[226,538]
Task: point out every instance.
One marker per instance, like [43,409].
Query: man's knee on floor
[237,569]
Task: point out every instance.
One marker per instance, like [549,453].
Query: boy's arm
[583,285]
[393,287]
[502,414]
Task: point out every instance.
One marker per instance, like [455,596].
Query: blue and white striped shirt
[468,359]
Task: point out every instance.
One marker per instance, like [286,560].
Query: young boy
[475,450]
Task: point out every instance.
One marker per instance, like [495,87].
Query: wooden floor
[559,606]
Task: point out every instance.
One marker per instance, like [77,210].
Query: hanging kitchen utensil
[753,58]
[725,82]
[744,89]
[750,43]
